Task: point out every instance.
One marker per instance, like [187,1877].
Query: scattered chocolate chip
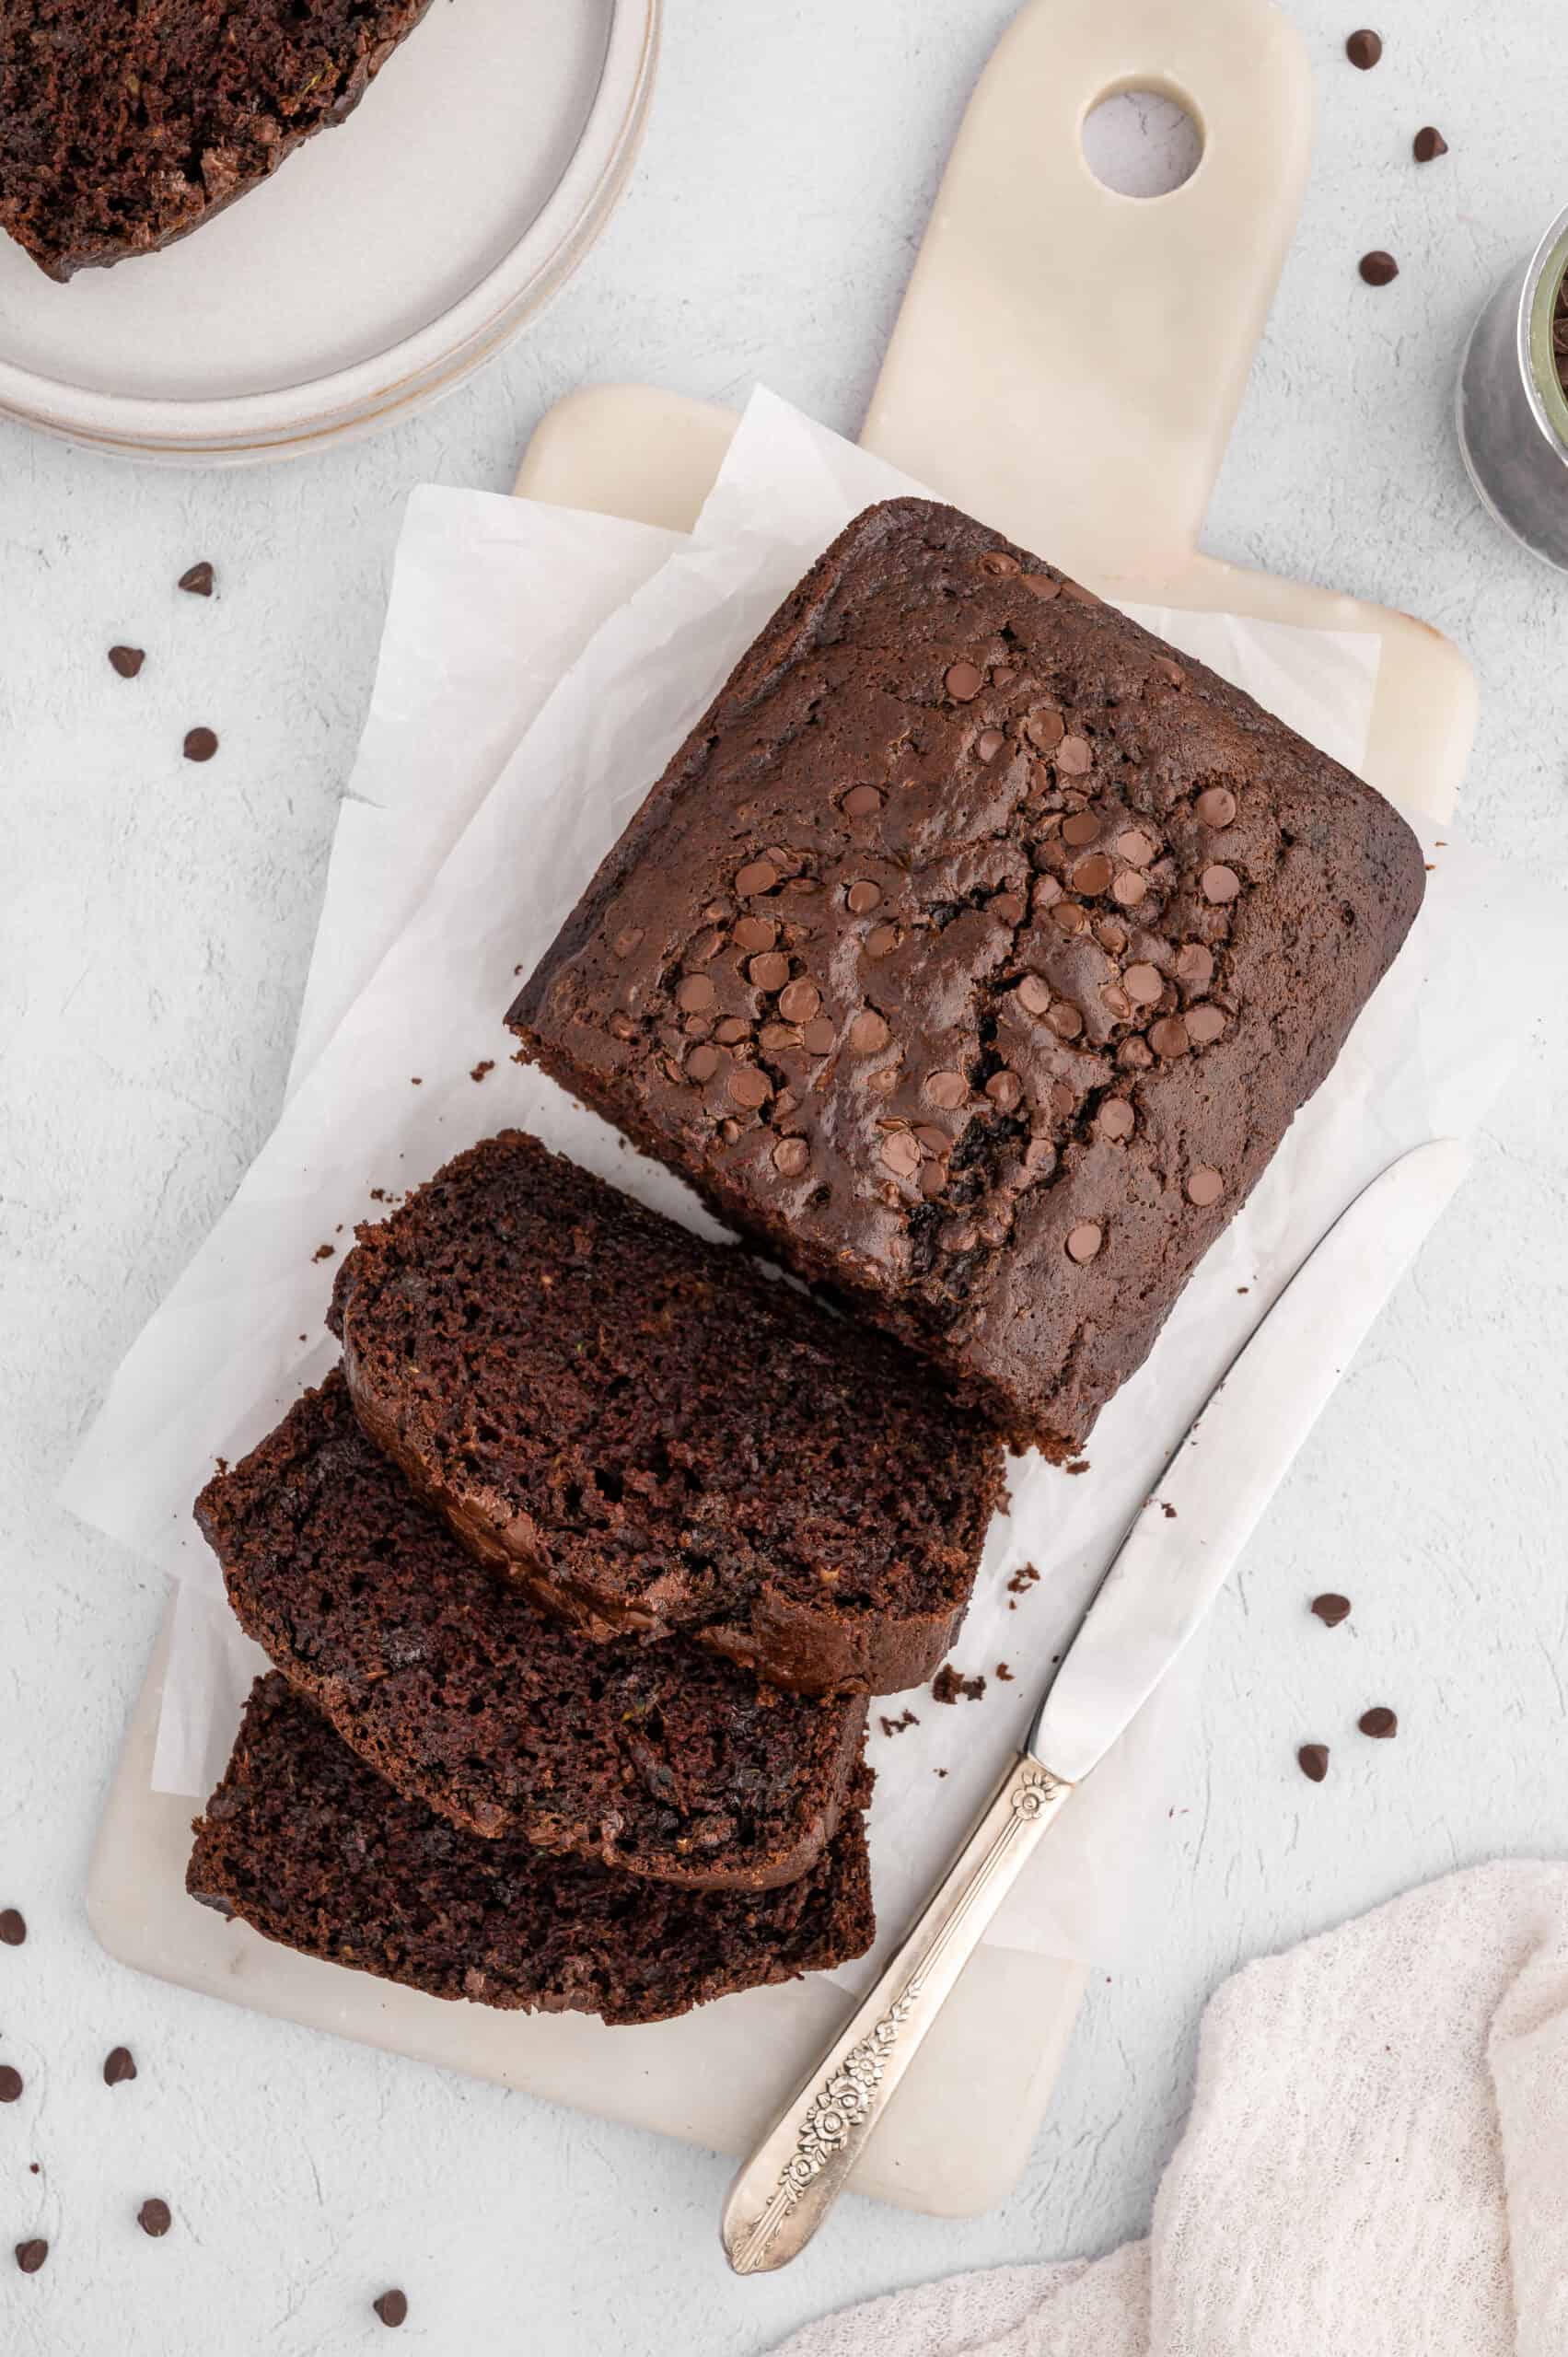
[10,2083]
[625,943]
[792,1157]
[1204,1025]
[862,897]
[1040,585]
[1084,1240]
[1115,1120]
[1172,673]
[818,1038]
[988,743]
[701,1062]
[998,562]
[1092,875]
[155,2217]
[1080,828]
[1075,590]
[391,2307]
[881,940]
[119,2065]
[1221,884]
[1065,1020]
[1331,1608]
[1380,1722]
[1215,806]
[947,1089]
[694,995]
[957,1235]
[1135,847]
[1428,144]
[1168,1037]
[1005,1091]
[1033,994]
[127,660]
[1073,758]
[1068,917]
[1379,268]
[964,681]
[201,744]
[861,802]
[1045,728]
[1313,1760]
[770,972]
[1196,965]
[31,2256]
[1364,48]
[868,1032]
[198,581]
[750,1088]
[13,1929]
[758,876]
[755,933]
[1144,984]
[1205,1186]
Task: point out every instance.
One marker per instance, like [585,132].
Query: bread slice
[124,127]
[312,1849]
[656,1760]
[650,1434]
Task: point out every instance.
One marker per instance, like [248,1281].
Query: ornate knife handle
[786,2190]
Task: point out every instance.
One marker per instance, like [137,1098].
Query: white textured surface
[156,922]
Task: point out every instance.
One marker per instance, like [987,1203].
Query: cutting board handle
[1107,337]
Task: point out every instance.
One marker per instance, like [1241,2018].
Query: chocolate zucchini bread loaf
[974,953]
[127,124]
[652,1437]
[312,1849]
[658,1759]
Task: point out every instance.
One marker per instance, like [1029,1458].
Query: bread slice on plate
[656,1760]
[651,1434]
[305,1843]
[124,127]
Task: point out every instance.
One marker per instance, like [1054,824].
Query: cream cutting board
[1067,366]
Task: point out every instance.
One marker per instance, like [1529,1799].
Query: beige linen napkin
[1376,2160]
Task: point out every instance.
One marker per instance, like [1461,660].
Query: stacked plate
[384,264]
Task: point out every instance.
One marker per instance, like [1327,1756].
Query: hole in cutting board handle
[1141,142]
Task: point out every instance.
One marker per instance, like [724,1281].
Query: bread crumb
[323,1251]
[1079,1465]
[481,1069]
[897,1726]
[949,1683]
[1023,1579]
[1004,1673]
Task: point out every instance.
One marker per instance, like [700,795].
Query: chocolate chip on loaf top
[311,1849]
[658,1759]
[974,953]
[125,126]
[655,1437]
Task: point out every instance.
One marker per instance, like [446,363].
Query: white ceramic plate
[387,259]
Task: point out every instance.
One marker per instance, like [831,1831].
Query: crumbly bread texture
[311,1849]
[651,1436]
[654,1759]
[127,124]
[974,954]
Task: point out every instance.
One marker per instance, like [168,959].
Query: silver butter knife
[1154,1593]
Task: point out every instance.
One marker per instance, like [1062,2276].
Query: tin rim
[406,376]
[1549,405]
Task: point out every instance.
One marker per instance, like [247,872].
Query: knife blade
[1189,1531]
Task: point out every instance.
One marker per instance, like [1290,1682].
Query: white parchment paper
[539,668]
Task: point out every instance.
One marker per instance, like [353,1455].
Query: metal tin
[1511,411]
